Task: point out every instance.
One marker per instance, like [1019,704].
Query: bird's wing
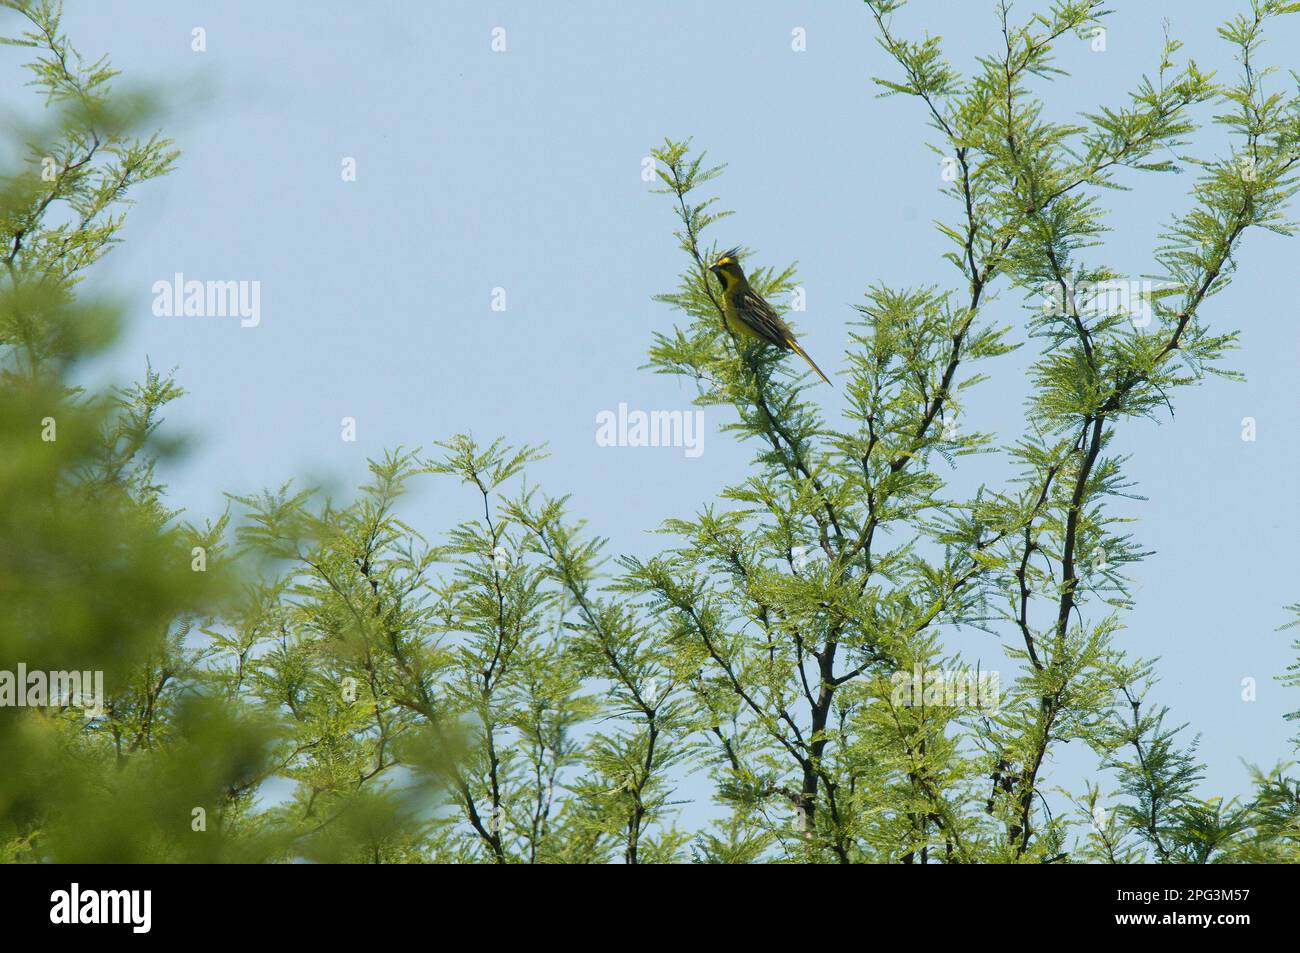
[759,315]
[767,324]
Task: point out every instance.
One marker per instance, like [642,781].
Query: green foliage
[336,687]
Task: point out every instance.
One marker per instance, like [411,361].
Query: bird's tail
[794,346]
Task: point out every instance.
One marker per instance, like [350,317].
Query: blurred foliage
[96,574]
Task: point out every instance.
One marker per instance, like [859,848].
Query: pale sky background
[523,170]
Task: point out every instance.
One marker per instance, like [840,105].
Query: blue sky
[522,170]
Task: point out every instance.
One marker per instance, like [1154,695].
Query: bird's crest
[728,257]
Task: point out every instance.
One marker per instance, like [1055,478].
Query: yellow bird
[747,313]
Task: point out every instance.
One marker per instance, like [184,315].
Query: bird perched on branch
[747,313]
